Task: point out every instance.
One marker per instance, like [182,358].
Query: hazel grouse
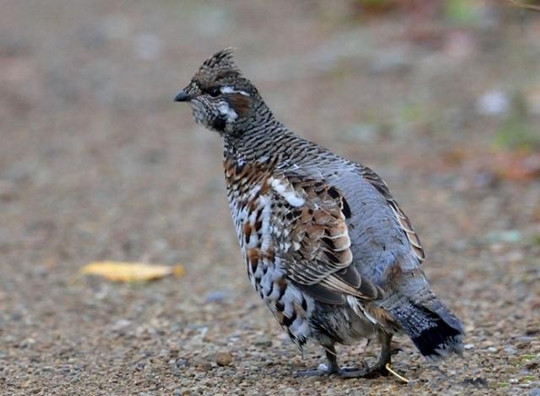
[325,244]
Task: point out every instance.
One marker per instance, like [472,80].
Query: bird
[325,244]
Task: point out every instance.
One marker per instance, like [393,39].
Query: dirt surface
[97,162]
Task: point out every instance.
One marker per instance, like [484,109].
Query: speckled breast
[250,200]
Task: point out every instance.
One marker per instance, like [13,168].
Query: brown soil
[97,162]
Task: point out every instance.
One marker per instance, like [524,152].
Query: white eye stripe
[230,90]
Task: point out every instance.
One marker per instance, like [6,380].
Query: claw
[369,372]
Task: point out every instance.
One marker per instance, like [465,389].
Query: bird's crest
[219,66]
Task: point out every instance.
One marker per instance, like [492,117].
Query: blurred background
[441,98]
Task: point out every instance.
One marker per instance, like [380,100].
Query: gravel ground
[97,162]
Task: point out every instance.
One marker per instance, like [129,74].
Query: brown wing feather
[316,247]
[402,219]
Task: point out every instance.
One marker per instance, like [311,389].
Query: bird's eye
[214,91]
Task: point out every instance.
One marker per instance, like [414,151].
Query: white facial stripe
[230,90]
[225,110]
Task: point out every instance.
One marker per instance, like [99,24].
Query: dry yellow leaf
[129,272]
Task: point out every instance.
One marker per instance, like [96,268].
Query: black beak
[182,97]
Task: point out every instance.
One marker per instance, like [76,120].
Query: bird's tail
[432,327]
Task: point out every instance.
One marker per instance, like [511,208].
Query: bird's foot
[366,372]
[370,372]
[344,372]
[322,370]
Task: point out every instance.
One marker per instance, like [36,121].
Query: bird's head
[222,100]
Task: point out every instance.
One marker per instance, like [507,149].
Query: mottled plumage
[325,244]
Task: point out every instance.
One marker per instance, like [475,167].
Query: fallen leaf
[521,165]
[517,166]
[129,272]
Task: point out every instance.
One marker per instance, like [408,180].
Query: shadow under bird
[326,245]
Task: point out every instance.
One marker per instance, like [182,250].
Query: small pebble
[164,353]
[476,382]
[216,296]
[263,342]
[181,363]
[205,366]
[140,366]
[120,325]
[510,350]
[223,358]
[493,102]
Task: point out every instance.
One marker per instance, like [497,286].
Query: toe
[310,373]
[353,372]
[320,371]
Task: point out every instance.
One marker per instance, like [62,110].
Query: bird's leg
[379,368]
[323,369]
[380,365]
